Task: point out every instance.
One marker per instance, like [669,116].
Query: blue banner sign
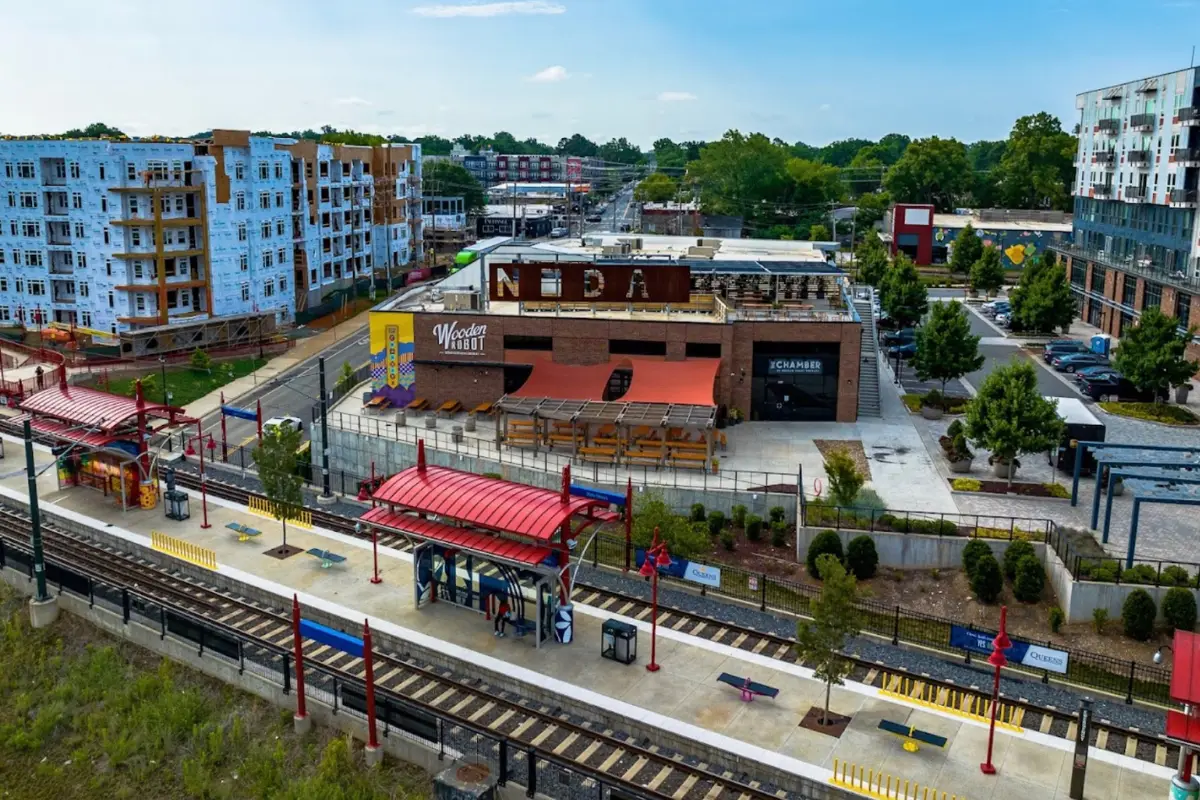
[703,574]
[676,569]
[240,413]
[1023,653]
[591,493]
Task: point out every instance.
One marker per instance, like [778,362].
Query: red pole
[375,552]
[653,665]
[372,738]
[628,522]
[203,486]
[297,642]
[997,660]
[224,437]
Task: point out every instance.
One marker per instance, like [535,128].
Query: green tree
[684,539]
[1179,609]
[946,349]
[1029,580]
[1010,416]
[446,179]
[1042,299]
[844,478]
[1037,169]
[434,145]
[819,233]
[1154,354]
[346,379]
[201,361]
[871,259]
[741,175]
[987,273]
[577,145]
[813,182]
[658,187]
[275,460]
[986,580]
[842,152]
[902,295]
[869,209]
[1137,615]
[621,151]
[668,155]
[965,251]
[933,171]
[820,642]
[96,130]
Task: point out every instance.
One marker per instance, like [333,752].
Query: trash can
[618,641]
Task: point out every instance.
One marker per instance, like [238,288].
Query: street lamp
[191,451]
[358,528]
[162,363]
[997,660]
[1158,654]
[656,558]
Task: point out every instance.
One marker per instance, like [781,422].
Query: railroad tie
[1017,717]
[588,752]
[524,726]
[645,612]
[466,701]
[419,693]
[544,735]
[587,601]
[1160,755]
[1072,729]
[720,634]
[1047,721]
[320,651]
[624,608]
[685,787]
[485,708]
[1131,744]
[604,606]
[387,676]
[503,718]
[682,621]
[869,680]
[446,695]
[1102,739]
[699,627]
[783,650]
[665,619]
[616,756]
[406,683]
[741,637]
[632,772]
[762,645]
[352,665]
[714,792]
[658,779]
[566,743]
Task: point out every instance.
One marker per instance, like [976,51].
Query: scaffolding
[217,333]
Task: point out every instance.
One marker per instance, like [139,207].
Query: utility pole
[326,496]
[43,609]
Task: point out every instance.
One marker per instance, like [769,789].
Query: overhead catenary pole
[35,525]
[324,430]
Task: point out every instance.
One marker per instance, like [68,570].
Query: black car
[1062,348]
[1114,387]
[594,218]
[902,351]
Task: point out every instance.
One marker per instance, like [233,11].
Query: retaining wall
[1079,598]
[911,550]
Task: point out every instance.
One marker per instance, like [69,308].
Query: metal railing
[974,526]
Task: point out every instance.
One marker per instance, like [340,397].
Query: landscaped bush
[1179,609]
[777,514]
[861,557]
[823,542]
[933,527]
[1137,615]
[966,485]
[1105,571]
[1056,490]
[754,525]
[887,520]
[933,399]
[1030,579]
[974,550]
[1013,556]
[1057,618]
[739,516]
[716,523]
[955,430]
[987,581]
[1174,575]
[698,514]
[1099,619]
[1140,573]
[1156,412]
[727,541]
[779,534]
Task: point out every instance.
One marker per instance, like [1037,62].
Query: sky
[644,69]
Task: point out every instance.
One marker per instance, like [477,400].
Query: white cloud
[351,101]
[551,75]
[825,107]
[490,9]
[676,97]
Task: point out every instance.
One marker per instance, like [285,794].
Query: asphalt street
[619,211]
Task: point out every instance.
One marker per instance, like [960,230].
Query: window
[264,199]
[703,350]
[76,200]
[78,230]
[245,291]
[239,172]
[1152,296]
[101,172]
[68,259]
[33,258]
[135,237]
[279,227]
[3,284]
[239,201]
[13,228]
[81,260]
[108,267]
[139,302]
[264,170]
[244,261]
[281,256]
[29,200]
[25,169]
[515,342]
[36,289]
[268,259]
[241,228]
[4,314]
[278,170]
[178,204]
[1183,308]
[1,262]
[636,347]
[138,270]
[133,206]
[283,285]
[83,289]
[266,230]
[324,169]
[12,199]
[73,169]
[1129,290]
[131,172]
[85,319]
[268,289]
[31,229]
[17,284]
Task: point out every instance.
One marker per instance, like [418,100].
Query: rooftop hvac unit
[460,300]
[715,244]
[700,252]
[619,249]
[593,241]
[633,242]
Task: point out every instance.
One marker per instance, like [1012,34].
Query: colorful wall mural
[393,373]
[1016,246]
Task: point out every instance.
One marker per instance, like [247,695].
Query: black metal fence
[982,526]
[1105,569]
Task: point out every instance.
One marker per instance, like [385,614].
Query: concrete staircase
[868,372]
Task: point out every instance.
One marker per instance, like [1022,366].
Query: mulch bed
[835,723]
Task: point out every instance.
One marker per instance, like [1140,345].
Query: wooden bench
[450,408]
[692,446]
[913,738]
[483,409]
[648,442]
[643,456]
[244,532]
[687,460]
[603,455]
[328,557]
[418,404]
[606,440]
[749,689]
[565,438]
[519,439]
[520,423]
[607,431]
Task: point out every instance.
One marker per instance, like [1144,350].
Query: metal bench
[328,557]
[913,738]
[749,689]
[245,533]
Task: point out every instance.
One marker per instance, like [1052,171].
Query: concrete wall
[911,550]
[1079,598]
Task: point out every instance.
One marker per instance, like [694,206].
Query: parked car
[275,422]
[902,351]
[558,233]
[1003,320]
[902,336]
[1062,348]
[1095,372]
[1114,387]
[990,306]
[594,218]
[1069,362]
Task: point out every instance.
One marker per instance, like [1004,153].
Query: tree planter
[961,467]
[1004,469]
[931,412]
[1181,394]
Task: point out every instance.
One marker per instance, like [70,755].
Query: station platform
[684,696]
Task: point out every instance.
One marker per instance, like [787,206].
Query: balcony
[1105,157]
[1102,189]
[1135,192]
[1182,198]
[1109,126]
[1187,156]
[1140,158]
[1132,266]
[1142,122]
[1189,115]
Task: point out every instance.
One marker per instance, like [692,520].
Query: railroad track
[530,728]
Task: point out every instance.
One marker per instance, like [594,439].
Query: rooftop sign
[589,282]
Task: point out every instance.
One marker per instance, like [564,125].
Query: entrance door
[795,381]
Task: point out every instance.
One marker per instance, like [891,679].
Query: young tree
[987,273]
[946,349]
[965,251]
[275,459]
[345,381]
[872,261]
[845,480]
[819,233]
[903,296]
[201,362]
[1009,416]
[1154,354]
[1042,298]
[683,538]
[834,622]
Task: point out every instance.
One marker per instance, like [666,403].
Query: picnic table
[328,557]
[749,689]
[244,532]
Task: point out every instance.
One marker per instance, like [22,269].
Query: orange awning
[565,382]
[688,382]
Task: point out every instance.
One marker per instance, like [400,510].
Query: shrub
[727,541]
[716,522]
[754,525]
[698,514]
[1179,609]
[861,557]
[933,399]
[958,449]
[1140,573]
[988,581]
[779,534]
[201,361]
[777,514]
[739,516]
[844,478]
[1057,618]
[1015,553]
[955,430]
[1030,579]
[1174,575]
[1099,619]
[1056,490]
[1137,615]
[965,484]
[824,542]
[1102,572]
[868,500]
[975,550]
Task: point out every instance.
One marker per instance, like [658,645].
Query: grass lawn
[186,384]
[87,716]
[1154,412]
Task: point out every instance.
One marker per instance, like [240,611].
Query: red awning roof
[565,382]
[485,502]
[463,538]
[67,433]
[689,382]
[1185,680]
[96,409]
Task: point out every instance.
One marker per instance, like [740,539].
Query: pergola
[1162,490]
[1154,460]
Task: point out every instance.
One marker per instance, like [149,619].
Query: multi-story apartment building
[1136,238]
[491,168]
[117,235]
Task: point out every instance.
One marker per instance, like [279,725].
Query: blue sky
[797,69]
